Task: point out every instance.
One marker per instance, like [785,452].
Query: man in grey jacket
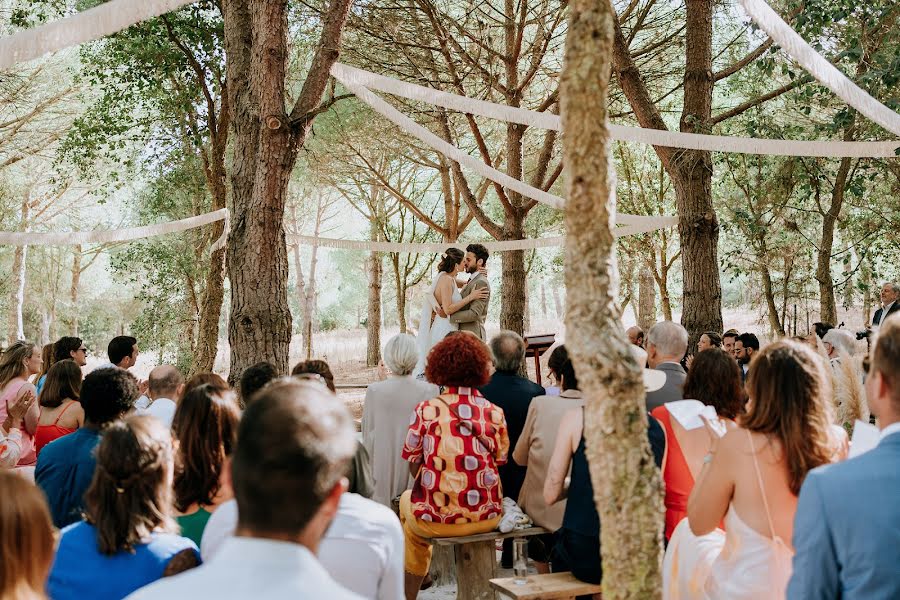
[666,344]
[472,318]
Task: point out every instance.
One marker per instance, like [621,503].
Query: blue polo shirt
[64,471]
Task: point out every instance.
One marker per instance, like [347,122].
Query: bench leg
[475,565]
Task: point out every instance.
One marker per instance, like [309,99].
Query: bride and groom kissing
[452,304]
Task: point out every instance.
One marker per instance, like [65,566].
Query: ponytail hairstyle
[790,395]
[449,260]
[130,495]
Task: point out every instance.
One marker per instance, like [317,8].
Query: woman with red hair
[454,445]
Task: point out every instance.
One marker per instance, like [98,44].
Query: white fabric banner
[92,24]
[816,65]
[74,238]
[656,137]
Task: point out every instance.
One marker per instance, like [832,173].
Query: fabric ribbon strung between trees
[654,137]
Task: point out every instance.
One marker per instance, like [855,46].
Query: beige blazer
[472,317]
[534,449]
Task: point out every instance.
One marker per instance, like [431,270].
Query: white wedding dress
[430,333]
[740,564]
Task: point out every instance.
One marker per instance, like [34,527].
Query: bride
[442,301]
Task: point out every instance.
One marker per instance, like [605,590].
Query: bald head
[164,381]
[635,335]
[508,349]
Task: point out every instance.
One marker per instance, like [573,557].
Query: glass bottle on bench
[520,560]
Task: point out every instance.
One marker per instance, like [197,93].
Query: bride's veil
[429,304]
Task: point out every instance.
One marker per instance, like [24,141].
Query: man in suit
[847,525]
[744,347]
[666,345]
[472,317]
[513,393]
[890,294]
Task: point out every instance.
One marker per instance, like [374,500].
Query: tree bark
[73,290]
[627,486]
[266,143]
[373,318]
[646,300]
[512,284]
[827,301]
[16,326]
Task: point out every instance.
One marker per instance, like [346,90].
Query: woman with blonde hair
[128,538]
[26,539]
[750,478]
[17,364]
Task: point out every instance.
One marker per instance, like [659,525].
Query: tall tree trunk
[399,290]
[266,142]
[308,315]
[543,299]
[627,486]
[646,313]
[558,304]
[73,290]
[827,301]
[17,297]
[512,283]
[373,317]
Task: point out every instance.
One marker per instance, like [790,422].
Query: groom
[472,317]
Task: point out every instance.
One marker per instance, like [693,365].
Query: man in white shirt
[288,471]
[165,385]
[362,550]
[890,293]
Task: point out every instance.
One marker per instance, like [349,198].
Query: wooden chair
[545,587]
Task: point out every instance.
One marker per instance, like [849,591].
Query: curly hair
[107,394]
[460,361]
[715,380]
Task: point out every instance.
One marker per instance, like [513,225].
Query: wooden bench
[476,560]
[545,587]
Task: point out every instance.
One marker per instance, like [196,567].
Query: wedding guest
[294,445]
[635,335]
[838,342]
[890,293]
[164,388]
[666,344]
[513,393]
[360,473]
[61,412]
[822,328]
[18,363]
[714,380]
[127,539]
[254,378]
[205,428]
[456,489]
[65,348]
[745,347]
[728,340]
[65,468]
[533,451]
[11,431]
[47,362]
[123,352]
[847,526]
[387,410]
[709,339]
[26,539]
[211,379]
[577,547]
[750,478]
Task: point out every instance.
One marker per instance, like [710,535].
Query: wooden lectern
[536,345]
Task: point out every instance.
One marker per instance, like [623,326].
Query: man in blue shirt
[65,466]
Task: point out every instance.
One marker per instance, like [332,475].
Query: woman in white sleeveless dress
[751,478]
[442,301]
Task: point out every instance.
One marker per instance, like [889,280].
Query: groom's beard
[472,270]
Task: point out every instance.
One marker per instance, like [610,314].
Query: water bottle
[520,561]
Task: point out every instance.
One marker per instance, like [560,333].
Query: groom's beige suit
[472,317]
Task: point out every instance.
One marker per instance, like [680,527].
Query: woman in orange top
[61,412]
[715,380]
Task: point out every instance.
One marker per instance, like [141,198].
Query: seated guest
[61,412]
[65,468]
[513,393]
[847,527]
[533,451]
[666,345]
[213,380]
[822,328]
[714,380]
[164,387]
[728,340]
[294,446]
[709,339]
[745,347]
[18,363]
[26,537]
[750,478]
[838,342]
[577,546]
[11,431]
[635,335]
[46,362]
[205,428]
[126,540]
[254,378]
[388,407]
[360,473]
[454,446]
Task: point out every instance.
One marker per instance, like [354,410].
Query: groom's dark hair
[479,251]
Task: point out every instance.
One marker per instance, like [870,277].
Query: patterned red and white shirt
[461,439]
